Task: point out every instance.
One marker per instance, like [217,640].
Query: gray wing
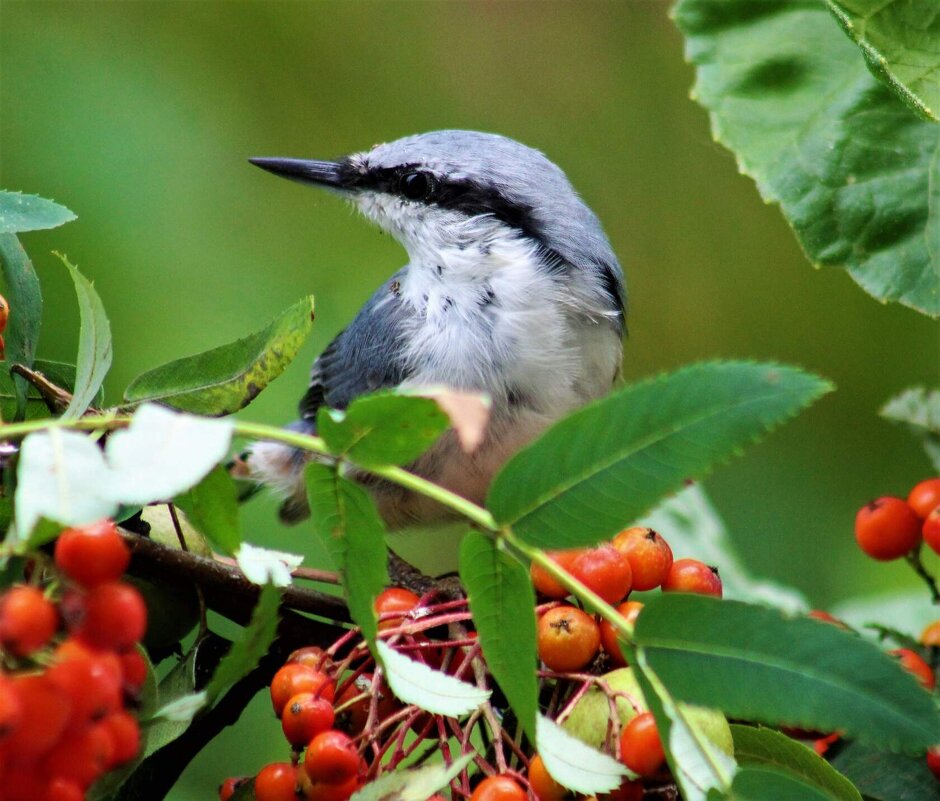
[364,357]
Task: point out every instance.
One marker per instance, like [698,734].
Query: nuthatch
[511,289]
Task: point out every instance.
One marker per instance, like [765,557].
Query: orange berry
[546,584]
[568,638]
[690,575]
[605,571]
[925,497]
[649,555]
[295,678]
[543,785]
[609,639]
[640,747]
[914,664]
[92,554]
[498,788]
[887,528]
[27,620]
[392,600]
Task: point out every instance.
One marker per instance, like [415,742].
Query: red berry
[311,656]
[543,784]
[640,746]
[690,575]
[305,716]
[933,761]
[930,636]
[293,679]
[925,497]
[887,528]
[931,530]
[4,313]
[394,600]
[115,617]
[11,708]
[498,788]
[45,715]
[27,620]
[124,731]
[24,784]
[323,791]
[331,758]
[605,571]
[543,581]
[229,786]
[649,555]
[82,755]
[276,782]
[93,554]
[568,639]
[354,714]
[90,680]
[609,639]
[627,791]
[133,672]
[824,617]
[914,664]
[61,789]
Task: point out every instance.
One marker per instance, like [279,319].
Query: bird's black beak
[321,173]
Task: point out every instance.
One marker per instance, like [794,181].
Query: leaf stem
[917,564]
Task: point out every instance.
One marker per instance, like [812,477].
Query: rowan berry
[543,785]
[276,782]
[229,786]
[354,702]
[293,679]
[640,747]
[323,791]
[81,755]
[311,656]
[4,313]
[124,731]
[690,575]
[91,681]
[133,672]
[609,638]
[605,571]
[27,620]
[887,528]
[24,784]
[824,617]
[568,639]
[931,530]
[331,758]
[925,497]
[930,636]
[627,791]
[304,716]
[92,554]
[11,708]
[62,789]
[46,711]
[115,617]
[543,581]
[392,600]
[498,788]
[649,555]
[933,761]
[915,665]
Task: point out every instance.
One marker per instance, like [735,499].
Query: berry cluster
[888,527]
[71,671]
[639,559]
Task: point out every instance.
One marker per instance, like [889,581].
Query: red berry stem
[917,565]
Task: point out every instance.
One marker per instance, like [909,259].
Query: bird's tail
[281,468]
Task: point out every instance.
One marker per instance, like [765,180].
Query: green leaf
[907,610]
[349,526]
[574,764]
[433,691]
[58,373]
[791,97]
[264,566]
[417,784]
[213,509]
[384,428]
[701,768]
[887,777]
[225,379]
[94,344]
[759,784]
[605,465]
[19,212]
[753,663]
[918,409]
[25,298]
[766,748]
[502,601]
[255,641]
[901,45]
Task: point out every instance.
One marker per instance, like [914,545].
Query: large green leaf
[58,373]
[605,465]
[575,764]
[225,379]
[760,784]
[349,525]
[901,44]
[760,747]
[385,428]
[502,602]
[887,777]
[918,409]
[19,212]
[94,344]
[25,298]
[213,509]
[754,663]
[791,97]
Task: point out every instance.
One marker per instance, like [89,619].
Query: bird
[511,290]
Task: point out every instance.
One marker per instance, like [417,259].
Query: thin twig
[914,560]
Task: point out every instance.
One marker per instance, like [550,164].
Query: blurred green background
[140,117]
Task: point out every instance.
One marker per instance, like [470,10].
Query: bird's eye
[416,185]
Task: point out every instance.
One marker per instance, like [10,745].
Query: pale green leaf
[853,170]
[225,379]
[19,212]
[907,610]
[502,603]
[416,784]
[25,298]
[919,409]
[605,465]
[264,566]
[574,764]
[213,509]
[94,344]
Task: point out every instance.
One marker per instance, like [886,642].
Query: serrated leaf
[887,777]
[184,709]
[264,566]
[254,643]
[25,298]
[502,601]
[94,344]
[384,428]
[605,465]
[700,767]
[416,784]
[59,373]
[225,379]
[61,476]
[901,45]
[179,683]
[754,663]
[791,97]
[691,524]
[759,784]
[212,508]
[574,764]
[349,526]
[19,212]
[759,747]
[919,409]
[416,683]
[163,453]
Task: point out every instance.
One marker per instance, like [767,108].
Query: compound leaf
[19,212]
[919,410]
